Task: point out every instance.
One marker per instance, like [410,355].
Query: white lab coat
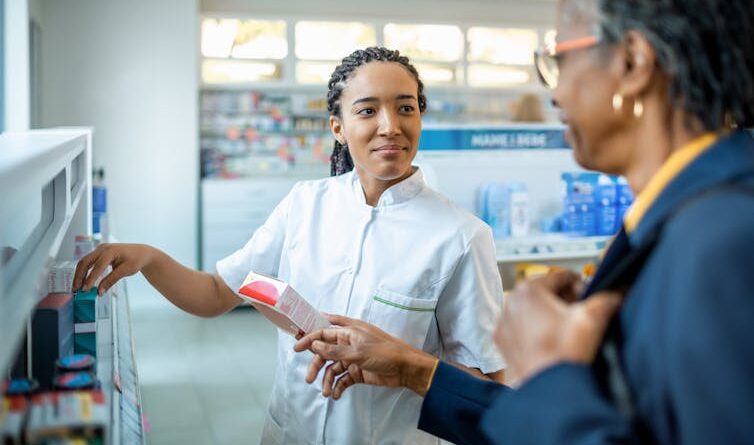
[415,265]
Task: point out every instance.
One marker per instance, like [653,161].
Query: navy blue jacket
[687,344]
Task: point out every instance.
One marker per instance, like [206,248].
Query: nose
[390,124]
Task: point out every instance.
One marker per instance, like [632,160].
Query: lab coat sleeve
[469,306]
[262,252]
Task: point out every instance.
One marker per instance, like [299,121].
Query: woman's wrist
[417,370]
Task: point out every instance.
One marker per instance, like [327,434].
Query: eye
[366,111]
[407,108]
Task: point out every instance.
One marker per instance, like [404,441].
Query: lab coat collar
[397,194]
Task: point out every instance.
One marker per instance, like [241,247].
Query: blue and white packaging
[606,202]
[624,198]
[505,207]
[518,198]
[579,203]
[498,209]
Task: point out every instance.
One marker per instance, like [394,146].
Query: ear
[336,128]
[639,65]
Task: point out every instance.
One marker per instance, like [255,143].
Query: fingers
[329,335]
[314,366]
[340,320]
[111,278]
[343,382]
[600,308]
[330,351]
[100,265]
[331,372]
[83,267]
[564,283]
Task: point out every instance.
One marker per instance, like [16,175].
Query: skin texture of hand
[363,353]
[125,259]
[198,293]
[541,325]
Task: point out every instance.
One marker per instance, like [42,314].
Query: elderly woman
[658,91]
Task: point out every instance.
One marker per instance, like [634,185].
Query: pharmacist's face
[588,78]
[380,120]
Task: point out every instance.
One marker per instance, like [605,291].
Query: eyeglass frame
[553,51]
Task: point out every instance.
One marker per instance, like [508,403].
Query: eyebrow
[374,99]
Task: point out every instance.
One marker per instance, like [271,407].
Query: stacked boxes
[84,315]
[52,335]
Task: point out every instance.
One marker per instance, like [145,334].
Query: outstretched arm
[199,293]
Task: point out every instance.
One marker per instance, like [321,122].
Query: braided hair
[705,46]
[341,161]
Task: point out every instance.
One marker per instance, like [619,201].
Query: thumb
[601,307]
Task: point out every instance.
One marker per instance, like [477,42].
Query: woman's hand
[125,259]
[363,353]
[540,325]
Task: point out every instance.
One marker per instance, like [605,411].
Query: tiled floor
[203,381]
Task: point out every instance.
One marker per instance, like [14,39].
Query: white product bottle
[519,210]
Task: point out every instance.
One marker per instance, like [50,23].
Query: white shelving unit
[45,201]
[551,249]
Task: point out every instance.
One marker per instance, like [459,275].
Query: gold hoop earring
[617,102]
[638,108]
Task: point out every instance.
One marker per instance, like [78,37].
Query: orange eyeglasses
[546,58]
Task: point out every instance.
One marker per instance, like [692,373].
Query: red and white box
[281,304]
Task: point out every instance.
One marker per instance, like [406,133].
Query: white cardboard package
[281,304]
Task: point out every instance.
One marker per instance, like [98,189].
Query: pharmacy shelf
[116,369]
[549,247]
[46,201]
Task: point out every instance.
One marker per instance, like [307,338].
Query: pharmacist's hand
[125,259]
[359,352]
[539,328]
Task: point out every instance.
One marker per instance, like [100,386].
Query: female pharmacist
[372,242]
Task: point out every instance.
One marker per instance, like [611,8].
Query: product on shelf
[594,203]
[76,363]
[84,319]
[20,387]
[60,277]
[74,414]
[85,244]
[282,305]
[13,413]
[74,381]
[52,335]
[244,133]
[505,207]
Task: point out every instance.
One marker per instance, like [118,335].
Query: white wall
[16,88]
[129,69]
[491,12]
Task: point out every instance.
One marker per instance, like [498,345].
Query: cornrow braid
[705,46]
[341,161]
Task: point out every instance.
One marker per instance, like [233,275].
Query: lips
[389,148]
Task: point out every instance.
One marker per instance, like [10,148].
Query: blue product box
[99,199]
[606,206]
[84,306]
[85,343]
[579,203]
[498,209]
